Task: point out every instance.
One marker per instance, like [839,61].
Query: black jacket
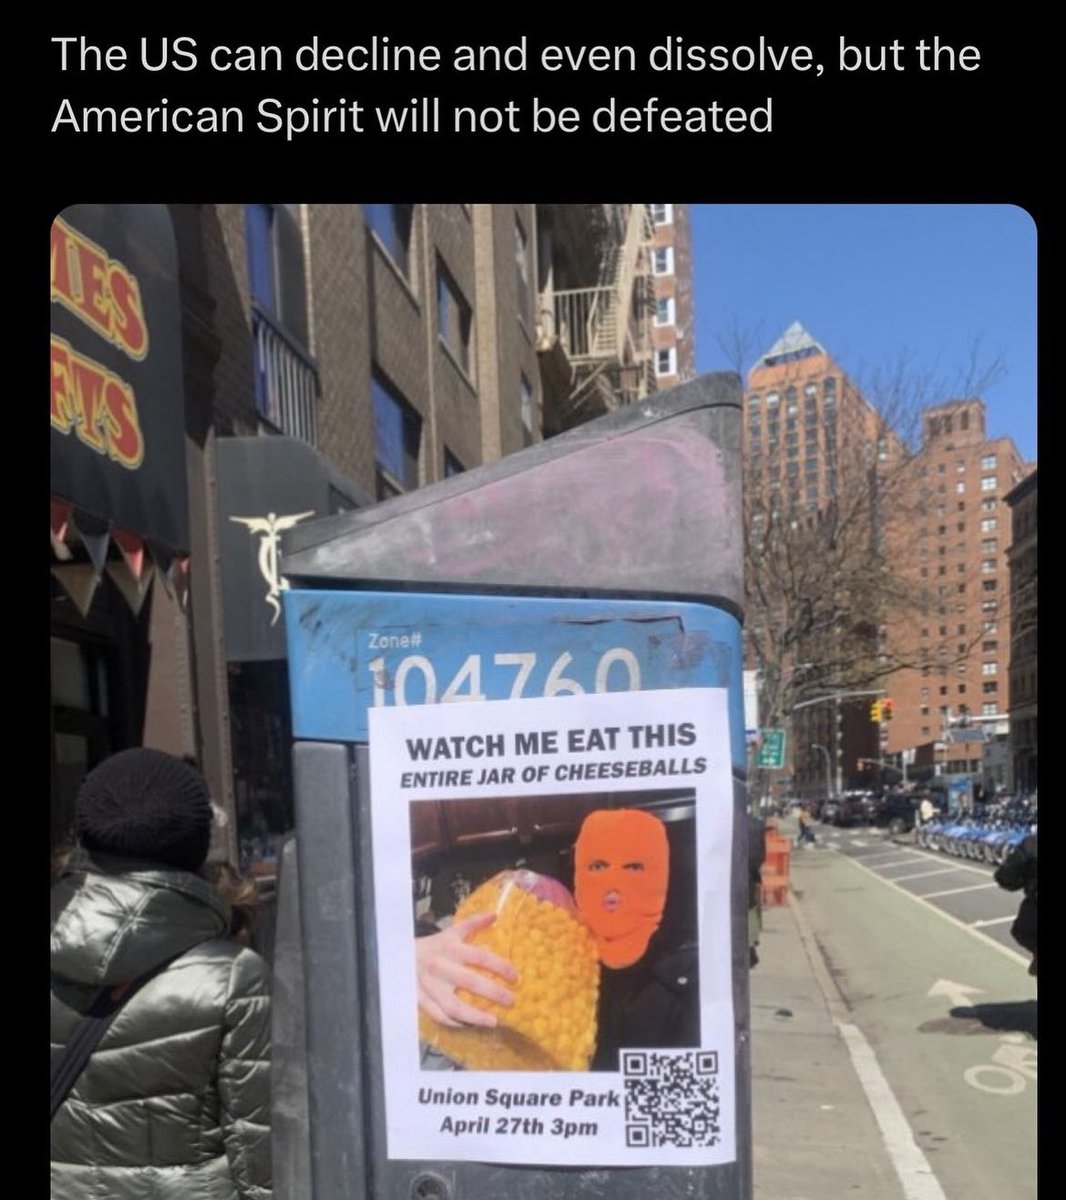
[1018,873]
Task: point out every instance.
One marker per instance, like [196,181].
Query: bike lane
[949,1017]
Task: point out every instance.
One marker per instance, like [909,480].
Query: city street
[935,1005]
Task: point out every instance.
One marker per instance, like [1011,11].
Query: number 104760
[415,680]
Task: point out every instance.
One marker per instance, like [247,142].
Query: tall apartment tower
[806,426]
[808,433]
[954,547]
[671,267]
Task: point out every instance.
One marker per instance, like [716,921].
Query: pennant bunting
[95,536]
[134,589]
[132,548]
[79,581]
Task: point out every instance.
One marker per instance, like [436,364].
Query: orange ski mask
[621,873]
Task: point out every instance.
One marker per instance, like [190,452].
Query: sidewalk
[814,1134]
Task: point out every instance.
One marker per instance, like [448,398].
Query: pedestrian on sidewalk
[174,1098]
[806,827]
[1017,872]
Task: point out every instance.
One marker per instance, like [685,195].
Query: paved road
[960,888]
[939,997]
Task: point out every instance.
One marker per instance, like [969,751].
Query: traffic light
[886,710]
[875,712]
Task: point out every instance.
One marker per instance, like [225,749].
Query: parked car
[828,809]
[897,812]
[856,808]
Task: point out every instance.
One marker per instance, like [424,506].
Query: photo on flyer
[552,881]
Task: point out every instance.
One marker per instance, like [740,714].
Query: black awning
[266,485]
[117,394]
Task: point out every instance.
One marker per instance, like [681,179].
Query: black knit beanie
[145,804]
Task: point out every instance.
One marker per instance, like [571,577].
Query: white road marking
[972,887]
[991,921]
[957,864]
[958,993]
[923,874]
[915,1174]
[901,862]
[913,1169]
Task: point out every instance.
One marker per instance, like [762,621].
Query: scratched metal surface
[646,501]
[346,649]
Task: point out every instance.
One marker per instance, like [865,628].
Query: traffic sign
[771,753]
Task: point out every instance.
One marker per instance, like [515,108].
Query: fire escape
[602,332]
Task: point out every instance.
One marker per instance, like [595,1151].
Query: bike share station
[487,676]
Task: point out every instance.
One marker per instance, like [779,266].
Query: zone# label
[394,641]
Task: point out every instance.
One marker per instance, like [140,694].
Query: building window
[665,312]
[455,320]
[988,566]
[988,525]
[988,483]
[666,361]
[397,439]
[521,254]
[662,260]
[961,689]
[989,688]
[988,463]
[829,390]
[988,505]
[662,214]
[988,585]
[276,266]
[988,668]
[989,647]
[960,486]
[988,546]
[772,399]
[452,466]
[391,226]
[525,392]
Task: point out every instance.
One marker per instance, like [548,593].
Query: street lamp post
[828,768]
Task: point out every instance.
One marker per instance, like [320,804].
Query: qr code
[671,1097]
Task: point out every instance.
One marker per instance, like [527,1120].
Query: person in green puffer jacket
[175,1101]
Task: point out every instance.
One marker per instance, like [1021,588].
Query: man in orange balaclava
[622,869]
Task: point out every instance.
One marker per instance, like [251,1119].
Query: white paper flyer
[553,923]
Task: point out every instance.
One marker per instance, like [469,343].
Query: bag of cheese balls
[552,1024]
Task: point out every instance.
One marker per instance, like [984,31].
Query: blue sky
[877,284]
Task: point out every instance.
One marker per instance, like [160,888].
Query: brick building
[671,267]
[317,358]
[1022,565]
[953,547]
[808,437]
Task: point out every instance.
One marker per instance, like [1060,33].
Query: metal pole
[828,767]
[838,749]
